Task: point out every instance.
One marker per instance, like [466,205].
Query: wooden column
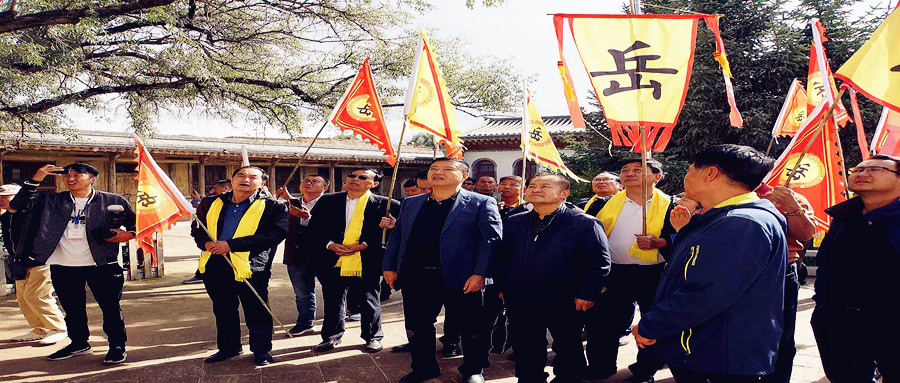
[2,180]
[271,172]
[111,173]
[201,173]
[331,188]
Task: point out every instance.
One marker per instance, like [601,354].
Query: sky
[519,29]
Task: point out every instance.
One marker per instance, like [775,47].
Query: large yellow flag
[537,143]
[874,70]
[427,105]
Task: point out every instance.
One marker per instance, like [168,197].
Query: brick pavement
[171,329]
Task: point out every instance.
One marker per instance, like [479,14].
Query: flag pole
[819,129]
[387,211]
[526,122]
[841,155]
[303,157]
[644,185]
[769,149]
[246,282]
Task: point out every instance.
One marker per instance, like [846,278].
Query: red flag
[820,81]
[569,90]
[360,112]
[818,178]
[159,202]
[887,135]
[793,112]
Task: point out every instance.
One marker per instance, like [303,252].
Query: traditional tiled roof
[257,148]
[511,127]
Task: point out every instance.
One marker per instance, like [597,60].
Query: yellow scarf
[351,265]
[739,200]
[656,217]
[246,227]
[589,202]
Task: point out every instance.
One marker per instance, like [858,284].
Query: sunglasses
[359,177]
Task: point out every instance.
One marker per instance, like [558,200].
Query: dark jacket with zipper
[568,258]
[719,304]
[19,229]
[55,213]
[272,229]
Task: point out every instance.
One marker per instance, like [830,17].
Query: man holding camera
[79,236]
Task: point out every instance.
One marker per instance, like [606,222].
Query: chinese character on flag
[360,112]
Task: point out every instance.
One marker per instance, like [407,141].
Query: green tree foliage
[273,63]
[768,44]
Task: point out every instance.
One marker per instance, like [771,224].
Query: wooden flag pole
[837,136]
[819,129]
[246,282]
[387,211]
[771,141]
[644,185]
[303,157]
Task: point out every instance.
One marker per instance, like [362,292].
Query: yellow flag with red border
[874,70]
[537,142]
[887,135]
[793,112]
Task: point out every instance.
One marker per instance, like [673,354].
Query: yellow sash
[656,217]
[351,265]
[589,202]
[739,200]
[246,227]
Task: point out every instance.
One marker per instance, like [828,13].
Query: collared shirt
[348,214]
[309,206]
[621,238]
[424,244]
[233,214]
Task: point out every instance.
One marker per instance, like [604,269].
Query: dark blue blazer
[469,240]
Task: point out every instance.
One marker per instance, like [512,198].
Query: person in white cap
[34,291]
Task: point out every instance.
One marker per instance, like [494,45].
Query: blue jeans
[303,278]
[787,348]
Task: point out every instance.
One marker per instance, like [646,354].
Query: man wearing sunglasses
[856,280]
[346,241]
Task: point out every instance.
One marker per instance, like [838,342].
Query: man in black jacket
[77,239]
[347,241]
[247,228]
[552,263]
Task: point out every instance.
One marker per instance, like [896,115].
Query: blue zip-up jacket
[718,307]
[569,258]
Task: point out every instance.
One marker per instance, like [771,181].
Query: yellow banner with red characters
[874,70]
[537,142]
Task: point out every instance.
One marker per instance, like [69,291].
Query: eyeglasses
[604,180]
[312,181]
[360,177]
[872,170]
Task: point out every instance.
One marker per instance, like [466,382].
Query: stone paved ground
[171,330]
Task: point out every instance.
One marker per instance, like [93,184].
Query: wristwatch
[799,212]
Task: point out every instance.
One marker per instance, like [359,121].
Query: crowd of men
[713,271]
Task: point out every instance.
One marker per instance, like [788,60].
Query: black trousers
[682,375]
[226,295]
[849,356]
[787,347]
[626,286]
[106,283]
[337,292]
[529,322]
[424,293]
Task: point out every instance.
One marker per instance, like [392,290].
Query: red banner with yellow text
[359,111]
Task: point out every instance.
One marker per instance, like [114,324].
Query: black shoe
[327,345]
[263,359]
[70,351]
[401,348]
[477,378]
[115,355]
[220,356]
[414,377]
[300,330]
[192,280]
[452,349]
[373,346]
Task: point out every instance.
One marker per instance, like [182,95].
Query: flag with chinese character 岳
[159,202]
[820,81]
[537,143]
[359,111]
[427,106]
[818,178]
[874,70]
[887,135]
[793,112]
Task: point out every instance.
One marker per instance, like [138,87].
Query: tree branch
[73,16]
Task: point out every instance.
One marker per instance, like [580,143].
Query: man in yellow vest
[347,248]
[637,262]
[246,228]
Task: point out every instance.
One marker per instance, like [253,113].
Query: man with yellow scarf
[246,227]
[348,252]
[637,262]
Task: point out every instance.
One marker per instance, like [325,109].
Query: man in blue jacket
[440,253]
[552,264]
[717,314]
[856,284]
